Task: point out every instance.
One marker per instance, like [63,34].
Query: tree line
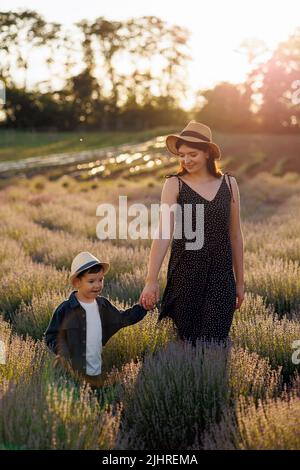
[87,89]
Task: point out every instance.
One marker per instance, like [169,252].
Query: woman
[205,285]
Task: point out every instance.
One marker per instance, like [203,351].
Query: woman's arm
[160,244]
[237,243]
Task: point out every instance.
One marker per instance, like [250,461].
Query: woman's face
[193,160]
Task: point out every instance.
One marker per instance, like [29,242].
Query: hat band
[87,265]
[195,134]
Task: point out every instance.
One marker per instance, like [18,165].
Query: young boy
[81,325]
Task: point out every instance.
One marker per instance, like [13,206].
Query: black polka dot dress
[200,292]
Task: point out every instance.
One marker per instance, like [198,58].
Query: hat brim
[171,144]
[105,267]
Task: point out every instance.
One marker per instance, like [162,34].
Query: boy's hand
[62,361]
[150,295]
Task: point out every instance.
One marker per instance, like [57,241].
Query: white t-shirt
[93,338]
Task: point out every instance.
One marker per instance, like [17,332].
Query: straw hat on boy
[85,260]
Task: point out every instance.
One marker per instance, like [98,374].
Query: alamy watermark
[188,224]
[2,353]
[2,93]
[296,353]
[296,94]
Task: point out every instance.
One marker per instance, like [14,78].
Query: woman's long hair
[212,165]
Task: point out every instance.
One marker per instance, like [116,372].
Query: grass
[158,394]
[16,145]
[273,424]
[175,394]
[244,155]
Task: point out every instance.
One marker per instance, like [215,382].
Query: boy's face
[90,285]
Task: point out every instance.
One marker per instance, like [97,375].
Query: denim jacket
[66,332]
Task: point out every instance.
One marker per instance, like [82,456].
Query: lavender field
[159,393]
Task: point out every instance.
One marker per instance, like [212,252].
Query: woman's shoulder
[232,185]
[171,188]
[172,180]
[230,177]
[172,176]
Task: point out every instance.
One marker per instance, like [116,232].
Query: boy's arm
[55,332]
[130,316]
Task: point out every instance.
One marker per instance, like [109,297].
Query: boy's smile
[89,286]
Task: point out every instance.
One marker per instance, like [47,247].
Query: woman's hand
[240,293]
[150,295]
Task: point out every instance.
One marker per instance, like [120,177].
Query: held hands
[150,295]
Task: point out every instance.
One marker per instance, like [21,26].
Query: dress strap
[179,181]
[228,177]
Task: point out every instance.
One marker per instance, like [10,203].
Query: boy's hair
[93,270]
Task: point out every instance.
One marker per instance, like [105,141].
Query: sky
[217,27]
